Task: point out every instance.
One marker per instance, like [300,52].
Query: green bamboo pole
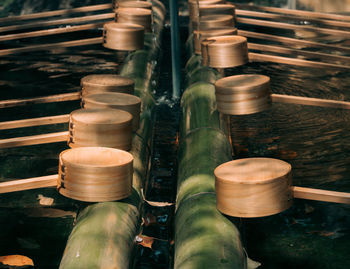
[204,238]
[104,234]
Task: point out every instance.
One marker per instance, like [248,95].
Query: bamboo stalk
[300,100]
[51,31]
[41,100]
[65,44]
[294,61]
[34,140]
[321,195]
[302,13]
[55,13]
[83,19]
[34,122]
[278,49]
[288,18]
[28,184]
[292,41]
[281,25]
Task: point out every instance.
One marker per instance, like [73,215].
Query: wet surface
[315,141]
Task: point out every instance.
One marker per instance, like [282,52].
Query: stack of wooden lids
[100,127]
[123,36]
[140,16]
[225,51]
[98,83]
[213,21]
[243,94]
[127,102]
[200,35]
[95,174]
[253,187]
[136,4]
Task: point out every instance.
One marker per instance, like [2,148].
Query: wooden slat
[28,184]
[46,14]
[294,61]
[34,122]
[292,41]
[321,195]
[301,13]
[289,18]
[40,100]
[66,44]
[300,100]
[287,26]
[54,31]
[34,140]
[46,23]
[309,54]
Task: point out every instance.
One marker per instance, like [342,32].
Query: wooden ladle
[258,187]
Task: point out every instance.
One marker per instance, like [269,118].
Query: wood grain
[28,184]
[321,195]
[34,122]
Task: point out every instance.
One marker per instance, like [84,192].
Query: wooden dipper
[140,16]
[258,187]
[135,4]
[91,174]
[123,36]
[217,9]
[100,127]
[200,35]
[243,94]
[225,51]
[213,21]
[95,174]
[98,83]
[193,6]
[122,101]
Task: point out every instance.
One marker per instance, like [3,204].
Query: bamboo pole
[309,54]
[34,122]
[54,31]
[294,61]
[46,14]
[41,100]
[33,140]
[287,26]
[65,44]
[28,184]
[308,101]
[288,18]
[78,20]
[302,13]
[292,41]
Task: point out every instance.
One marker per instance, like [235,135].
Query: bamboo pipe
[302,13]
[256,14]
[281,25]
[82,19]
[34,140]
[34,122]
[41,100]
[55,13]
[65,44]
[277,49]
[292,41]
[29,183]
[54,31]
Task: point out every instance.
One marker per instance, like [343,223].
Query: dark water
[315,141]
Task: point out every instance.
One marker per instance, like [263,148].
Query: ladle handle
[28,184]
[301,100]
[321,195]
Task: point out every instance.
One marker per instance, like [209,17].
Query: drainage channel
[156,239]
